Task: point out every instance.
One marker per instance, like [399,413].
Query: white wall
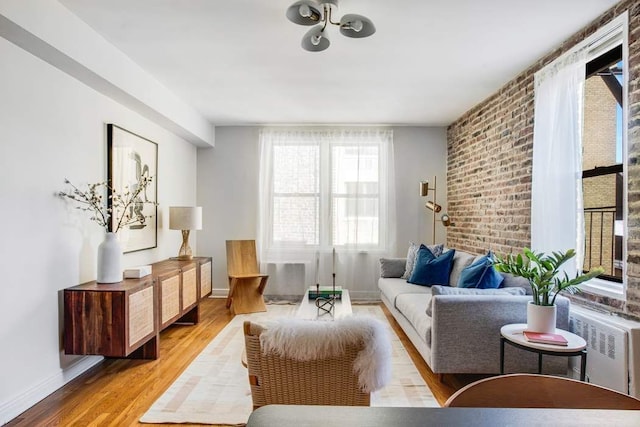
[228,190]
[420,153]
[228,193]
[52,127]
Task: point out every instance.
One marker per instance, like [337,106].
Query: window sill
[604,288]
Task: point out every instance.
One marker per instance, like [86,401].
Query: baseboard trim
[12,408]
[219,293]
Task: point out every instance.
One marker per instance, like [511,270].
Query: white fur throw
[306,340]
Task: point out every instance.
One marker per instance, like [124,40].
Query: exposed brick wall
[490,157]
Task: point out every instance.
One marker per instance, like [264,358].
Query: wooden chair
[539,391]
[246,284]
[276,379]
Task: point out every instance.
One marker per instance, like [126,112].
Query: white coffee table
[576,346]
[308,309]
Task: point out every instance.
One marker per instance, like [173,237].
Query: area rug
[214,389]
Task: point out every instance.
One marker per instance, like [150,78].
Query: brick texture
[489,163]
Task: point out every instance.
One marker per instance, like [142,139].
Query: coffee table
[308,309]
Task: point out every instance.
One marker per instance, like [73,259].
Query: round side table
[513,335]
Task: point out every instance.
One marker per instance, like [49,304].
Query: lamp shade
[185,217]
[316,39]
[304,13]
[356,26]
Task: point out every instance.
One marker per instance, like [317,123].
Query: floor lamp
[431,204]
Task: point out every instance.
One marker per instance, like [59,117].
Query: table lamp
[185,218]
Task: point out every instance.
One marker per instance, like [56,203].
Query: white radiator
[613,349]
[286,280]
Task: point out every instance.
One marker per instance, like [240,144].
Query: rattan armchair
[275,379]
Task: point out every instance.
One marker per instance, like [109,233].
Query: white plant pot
[541,318]
[109,260]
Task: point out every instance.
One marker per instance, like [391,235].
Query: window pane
[296,194]
[355,195]
[296,168]
[602,211]
[295,219]
[602,184]
[355,221]
[354,165]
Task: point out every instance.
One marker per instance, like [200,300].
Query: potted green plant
[547,282]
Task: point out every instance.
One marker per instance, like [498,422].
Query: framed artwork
[131,158]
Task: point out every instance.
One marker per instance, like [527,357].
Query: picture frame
[130,156]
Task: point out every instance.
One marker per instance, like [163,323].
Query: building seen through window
[602,165]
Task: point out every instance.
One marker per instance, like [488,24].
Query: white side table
[513,335]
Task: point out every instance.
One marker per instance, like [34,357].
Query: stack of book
[325,292]
[542,338]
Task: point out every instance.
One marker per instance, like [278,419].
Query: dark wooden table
[362,416]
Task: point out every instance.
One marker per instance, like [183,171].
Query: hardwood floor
[117,392]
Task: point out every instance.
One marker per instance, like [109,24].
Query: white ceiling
[240,62]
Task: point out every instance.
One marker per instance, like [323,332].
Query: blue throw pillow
[431,270]
[481,274]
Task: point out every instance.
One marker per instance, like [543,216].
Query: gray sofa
[462,332]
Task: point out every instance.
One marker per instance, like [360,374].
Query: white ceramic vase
[541,318]
[109,260]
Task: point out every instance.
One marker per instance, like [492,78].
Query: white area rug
[214,389]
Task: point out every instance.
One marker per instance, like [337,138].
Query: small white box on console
[137,272]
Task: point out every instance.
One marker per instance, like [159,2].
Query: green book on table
[325,292]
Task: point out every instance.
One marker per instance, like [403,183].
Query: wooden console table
[125,319]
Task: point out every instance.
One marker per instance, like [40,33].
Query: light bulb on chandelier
[310,12]
[305,11]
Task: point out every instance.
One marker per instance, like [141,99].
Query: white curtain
[323,190]
[557,217]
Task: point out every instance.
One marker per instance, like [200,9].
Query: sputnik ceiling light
[309,12]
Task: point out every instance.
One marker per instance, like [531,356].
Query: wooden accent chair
[246,284]
[276,379]
[539,391]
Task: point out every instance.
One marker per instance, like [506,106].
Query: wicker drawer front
[140,315]
[170,298]
[189,288]
[205,279]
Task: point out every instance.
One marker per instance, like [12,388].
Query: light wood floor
[117,392]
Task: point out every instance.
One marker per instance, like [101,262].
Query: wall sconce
[185,218]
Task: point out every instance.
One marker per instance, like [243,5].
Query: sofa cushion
[436,250]
[460,261]
[511,281]
[392,288]
[480,274]
[430,270]
[447,290]
[412,307]
[392,267]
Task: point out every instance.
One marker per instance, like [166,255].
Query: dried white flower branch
[129,203]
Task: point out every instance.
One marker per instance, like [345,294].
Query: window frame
[326,198]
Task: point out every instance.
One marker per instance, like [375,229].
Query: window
[578,177]
[323,189]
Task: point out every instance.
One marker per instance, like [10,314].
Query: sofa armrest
[465,334]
